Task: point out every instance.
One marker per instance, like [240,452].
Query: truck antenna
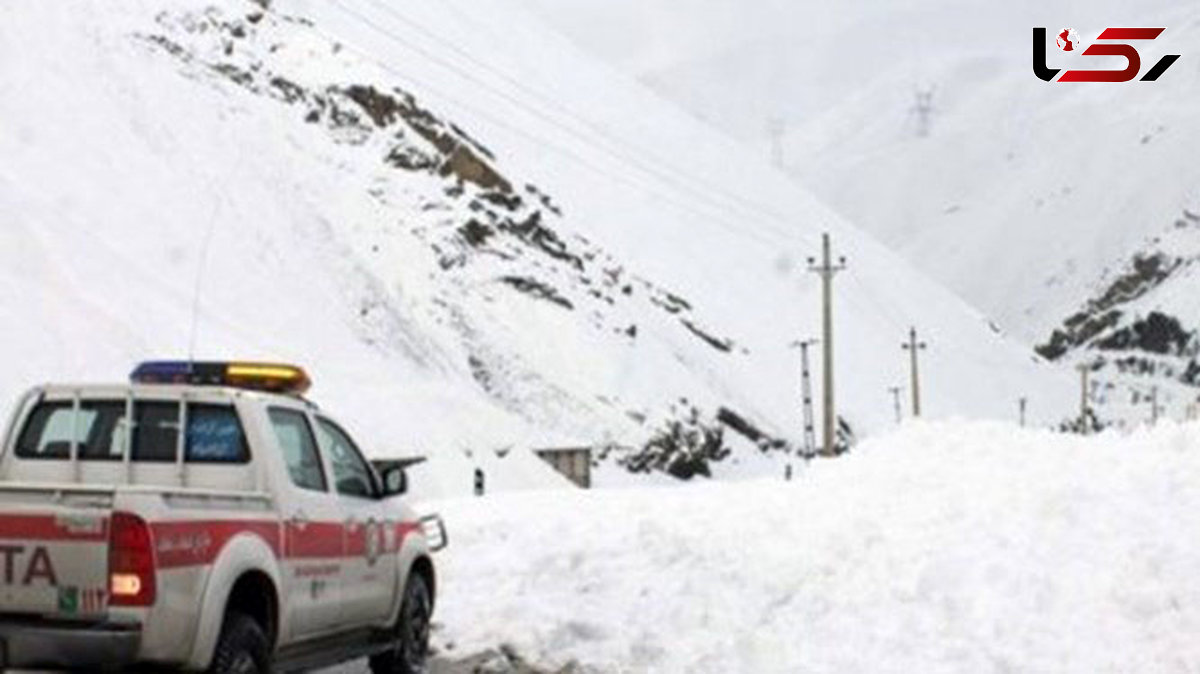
[200,268]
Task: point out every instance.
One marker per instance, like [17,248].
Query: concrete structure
[573,462]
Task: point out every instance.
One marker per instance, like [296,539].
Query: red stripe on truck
[191,543]
[314,540]
[184,543]
[54,528]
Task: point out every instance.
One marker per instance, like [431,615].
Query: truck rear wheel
[242,647]
[410,655]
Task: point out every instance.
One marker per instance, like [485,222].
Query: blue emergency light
[269,377]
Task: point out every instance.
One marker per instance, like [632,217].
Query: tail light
[131,577]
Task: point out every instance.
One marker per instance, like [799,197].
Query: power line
[666,177]
[889,314]
[575,156]
[549,102]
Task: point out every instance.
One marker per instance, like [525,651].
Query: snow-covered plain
[944,547]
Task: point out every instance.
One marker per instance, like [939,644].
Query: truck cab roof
[59,391]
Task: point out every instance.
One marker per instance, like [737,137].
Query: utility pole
[1022,403]
[913,346]
[923,108]
[895,391]
[776,128]
[1154,406]
[1083,368]
[810,433]
[827,270]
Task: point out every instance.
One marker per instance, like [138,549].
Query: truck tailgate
[54,551]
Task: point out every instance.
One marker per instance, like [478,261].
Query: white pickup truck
[257,539]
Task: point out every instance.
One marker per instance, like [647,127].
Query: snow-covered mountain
[1138,333]
[1077,200]
[476,237]
[1061,181]
[1064,181]
[1061,210]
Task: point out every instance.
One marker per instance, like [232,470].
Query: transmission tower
[810,432]
[923,110]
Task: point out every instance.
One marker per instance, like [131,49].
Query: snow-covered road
[488,662]
[961,547]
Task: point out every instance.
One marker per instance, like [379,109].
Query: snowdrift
[950,547]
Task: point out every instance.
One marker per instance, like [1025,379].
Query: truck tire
[242,647]
[410,654]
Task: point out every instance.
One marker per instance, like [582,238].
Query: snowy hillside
[1140,331]
[1045,186]
[1079,201]
[941,548]
[470,253]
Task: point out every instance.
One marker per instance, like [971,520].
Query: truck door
[369,575]
[313,538]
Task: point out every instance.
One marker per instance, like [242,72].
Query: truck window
[155,433]
[352,475]
[52,427]
[214,432]
[215,435]
[299,449]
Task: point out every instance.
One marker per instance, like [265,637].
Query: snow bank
[957,547]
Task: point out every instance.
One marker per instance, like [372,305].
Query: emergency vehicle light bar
[270,377]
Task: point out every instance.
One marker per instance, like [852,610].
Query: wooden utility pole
[896,391]
[913,346]
[810,433]
[1022,403]
[827,270]
[1084,369]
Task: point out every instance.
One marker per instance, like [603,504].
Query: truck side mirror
[395,482]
